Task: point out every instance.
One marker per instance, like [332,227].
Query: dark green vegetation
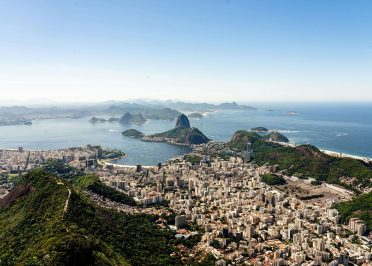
[241,138]
[35,230]
[272,179]
[184,135]
[60,169]
[193,159]
[259,129]
[3,178]
[304,160]
[92,183]
[359,207]
[196,115]
[111,154]
[189,242]
[128,118]
[276,136]
[133,133]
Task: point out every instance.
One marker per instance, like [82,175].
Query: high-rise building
[357,226]
[180,221]
[121,185]
[249,152]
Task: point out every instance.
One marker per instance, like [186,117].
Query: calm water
[343,128]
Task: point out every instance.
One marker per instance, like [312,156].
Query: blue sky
[190,50]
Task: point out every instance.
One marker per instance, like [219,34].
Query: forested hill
[40,224]
[306,161]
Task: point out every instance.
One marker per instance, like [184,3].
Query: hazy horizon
[50,103]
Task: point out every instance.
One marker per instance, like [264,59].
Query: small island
[133,133]
[182,134]
[196,115]
[259,129]
[95,120]
[113,119]
[16,122]
[292,113]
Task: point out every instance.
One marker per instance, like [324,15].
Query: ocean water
[342,128]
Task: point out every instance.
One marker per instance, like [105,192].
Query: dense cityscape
[223,203]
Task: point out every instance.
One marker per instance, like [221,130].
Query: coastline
[289,144]
[345,155]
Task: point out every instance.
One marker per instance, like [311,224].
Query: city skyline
[211,51]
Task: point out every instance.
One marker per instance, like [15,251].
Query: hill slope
[306,161]
[36,230]
[359,207]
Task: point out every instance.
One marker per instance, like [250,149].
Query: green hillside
[241,138]
[92,183]
[35,230]
[272,179]
[304,160]
[276,136]
[359,207]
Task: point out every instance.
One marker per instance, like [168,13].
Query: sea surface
[345,128]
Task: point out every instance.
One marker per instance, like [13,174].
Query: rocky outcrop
[183,121]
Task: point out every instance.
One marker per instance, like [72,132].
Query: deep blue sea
[345,128]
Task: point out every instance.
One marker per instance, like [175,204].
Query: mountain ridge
[36,230]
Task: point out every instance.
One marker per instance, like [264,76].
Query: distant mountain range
[166,110]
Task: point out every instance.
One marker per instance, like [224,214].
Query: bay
[342,128]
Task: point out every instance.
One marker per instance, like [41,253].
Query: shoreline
[289,144]
[345,155]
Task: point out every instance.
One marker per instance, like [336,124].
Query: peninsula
[182,134]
